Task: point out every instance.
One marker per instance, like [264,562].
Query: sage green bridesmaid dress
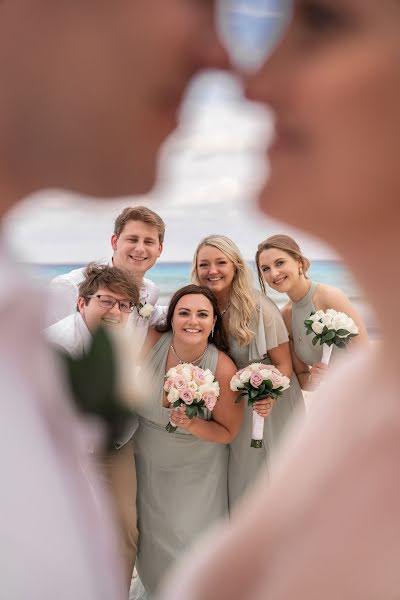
[302,343]
[181,479]
[246,463]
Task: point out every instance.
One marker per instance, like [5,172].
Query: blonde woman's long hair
[243,296]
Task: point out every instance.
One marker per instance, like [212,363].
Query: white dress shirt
[71,334]
[55,545]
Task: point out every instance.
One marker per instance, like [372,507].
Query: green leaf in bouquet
[93,382]
[191,411]
[315,340]
[253,394]
[248,386]
[262,388]
[308,322]
[177,403]
[268,385]
[329,336]
[342,333]
[238,399]
[341,344]
[309,331]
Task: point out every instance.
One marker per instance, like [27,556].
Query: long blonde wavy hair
[242,297]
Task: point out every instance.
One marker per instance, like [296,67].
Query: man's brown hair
[139,213]
[103,276]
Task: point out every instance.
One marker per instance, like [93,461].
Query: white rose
[265,373]
[235,384]
[206,387]
[196,396]
[314,317]
[192,385]
[353,328]
[215,387]
[286,382]
[208,376]
[172,372]
[146,310]
[187,373]
[245,376]
[317,327]
[173,395]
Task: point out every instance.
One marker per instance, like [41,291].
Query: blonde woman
[256,333]
[282,266]
[327,525]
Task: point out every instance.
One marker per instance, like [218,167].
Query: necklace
[182,362]
[225,309]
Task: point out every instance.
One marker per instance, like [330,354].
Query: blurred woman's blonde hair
[243,301]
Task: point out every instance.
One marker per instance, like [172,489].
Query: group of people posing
[183,482]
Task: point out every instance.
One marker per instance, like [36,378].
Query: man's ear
[81,304]
[160,250]
[114,240]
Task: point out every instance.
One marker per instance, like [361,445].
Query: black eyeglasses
[109,302]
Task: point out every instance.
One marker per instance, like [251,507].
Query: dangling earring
[301,271]
[212,331]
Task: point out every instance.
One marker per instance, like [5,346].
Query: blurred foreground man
[90,89]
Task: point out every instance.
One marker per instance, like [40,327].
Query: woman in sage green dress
[282,266]
[256,333]
[182,476]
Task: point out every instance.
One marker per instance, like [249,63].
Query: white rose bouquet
[190,387]
[259,381]
[330,328]
[145,310]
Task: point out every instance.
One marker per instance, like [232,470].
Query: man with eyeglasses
[89,91]
[107,297]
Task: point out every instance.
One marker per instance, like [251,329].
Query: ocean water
[170,276]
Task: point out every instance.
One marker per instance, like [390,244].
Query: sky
[209,170]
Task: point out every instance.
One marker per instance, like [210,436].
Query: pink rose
[210,399]
[256,379]
[187,396]
[168,385]
[198,376]
[277,379]
[179,382]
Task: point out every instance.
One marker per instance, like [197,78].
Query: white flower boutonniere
[145,310]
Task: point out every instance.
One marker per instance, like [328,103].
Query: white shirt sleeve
[62,299]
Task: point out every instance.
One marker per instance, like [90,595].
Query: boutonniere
[145,310]
[95,381]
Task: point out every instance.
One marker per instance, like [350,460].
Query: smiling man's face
[137,248]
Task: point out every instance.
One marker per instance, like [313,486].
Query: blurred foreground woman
[329,526]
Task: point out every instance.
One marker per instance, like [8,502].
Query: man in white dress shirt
[107,297]
[137,242]
[89,91]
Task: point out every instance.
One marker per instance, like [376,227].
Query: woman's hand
[264,407]
[318,373]
[178,418]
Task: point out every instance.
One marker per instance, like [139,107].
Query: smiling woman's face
[193,319]
[334,86]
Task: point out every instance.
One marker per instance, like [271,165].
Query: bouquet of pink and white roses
[259,381]
[190,387]
[330,328]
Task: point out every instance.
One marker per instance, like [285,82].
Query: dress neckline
[308,297]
